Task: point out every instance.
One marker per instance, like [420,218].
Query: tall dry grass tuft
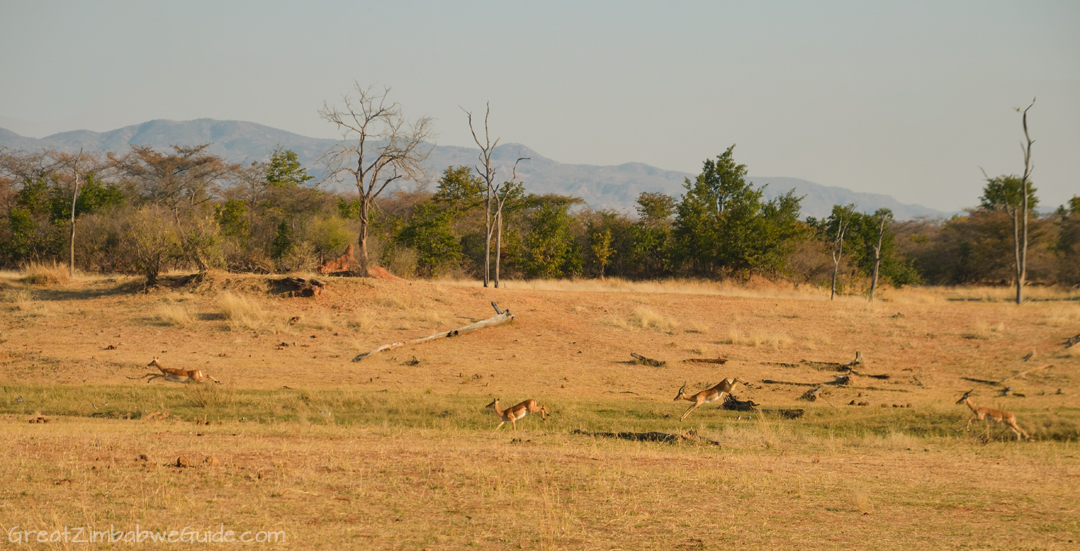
[208,395]
[241,310]
[646,318]
[46,275]
[173,314]
[738,337]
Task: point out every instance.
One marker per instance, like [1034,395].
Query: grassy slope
[382,454]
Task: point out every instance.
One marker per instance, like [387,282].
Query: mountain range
[602,187]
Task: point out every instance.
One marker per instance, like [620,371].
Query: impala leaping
[512,414]
[708,395]
[176,375]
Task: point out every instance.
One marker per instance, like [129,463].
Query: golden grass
[173,314]
[738,337]
[46,274]
[241,311]
[388,454]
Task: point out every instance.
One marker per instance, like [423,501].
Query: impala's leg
[500,425]
[1016,428]
[513,422]
[692,408]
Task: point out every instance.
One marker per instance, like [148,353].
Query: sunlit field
[397,451]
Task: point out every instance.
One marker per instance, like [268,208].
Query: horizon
[899,99]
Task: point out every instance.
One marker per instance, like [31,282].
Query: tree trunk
[1017,257]
[74,196]
[877,258]
[487,240]
[363,256]
[498,245]
[836,267]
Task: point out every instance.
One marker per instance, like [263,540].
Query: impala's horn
[681,389]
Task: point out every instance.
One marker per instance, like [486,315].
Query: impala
[994,415]
[711,394]
[512,414]
[176,375]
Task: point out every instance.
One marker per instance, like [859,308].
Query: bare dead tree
[1020,242]
[495,195]
[378,146]
[838,244]
[883,216]
[488,175]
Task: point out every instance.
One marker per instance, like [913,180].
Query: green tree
[723,224]
[430,233]
[550,250]
[285,170]
[600,246]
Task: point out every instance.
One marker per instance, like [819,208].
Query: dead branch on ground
[501,317]
[648,361]
[720,361]
[668,438]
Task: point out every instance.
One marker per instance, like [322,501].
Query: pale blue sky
[904,98]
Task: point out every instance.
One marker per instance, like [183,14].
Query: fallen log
[720,361]
[1022,373]
[785,413]
[654,436]
[732,403]
[647,361]
[812,395]
[770,381]
[502,316]
[981,381]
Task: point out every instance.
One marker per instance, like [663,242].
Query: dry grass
[46,275]
[389,454]
[241,311]
[173,314]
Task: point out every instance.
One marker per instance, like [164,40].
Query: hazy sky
[905,98]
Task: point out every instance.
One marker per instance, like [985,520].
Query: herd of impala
[515,413]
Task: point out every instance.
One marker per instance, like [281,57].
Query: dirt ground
[397,451]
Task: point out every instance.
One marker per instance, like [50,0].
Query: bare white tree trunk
[1022,242]
[838,251]
[884,215]
[74,197]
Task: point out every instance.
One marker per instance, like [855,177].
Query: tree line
[147,211]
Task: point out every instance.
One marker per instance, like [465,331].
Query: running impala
[982,413]
[176,375]
[708,395]
[512,414]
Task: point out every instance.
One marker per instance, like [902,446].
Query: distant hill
[602,187]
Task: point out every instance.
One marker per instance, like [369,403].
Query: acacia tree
[378,146]
[179,181]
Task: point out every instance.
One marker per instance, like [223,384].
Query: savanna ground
[398,452]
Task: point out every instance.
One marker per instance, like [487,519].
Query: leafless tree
[487,173]
[838,243]
[1020,238]
[378,146]
[496,195]
[884,216]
